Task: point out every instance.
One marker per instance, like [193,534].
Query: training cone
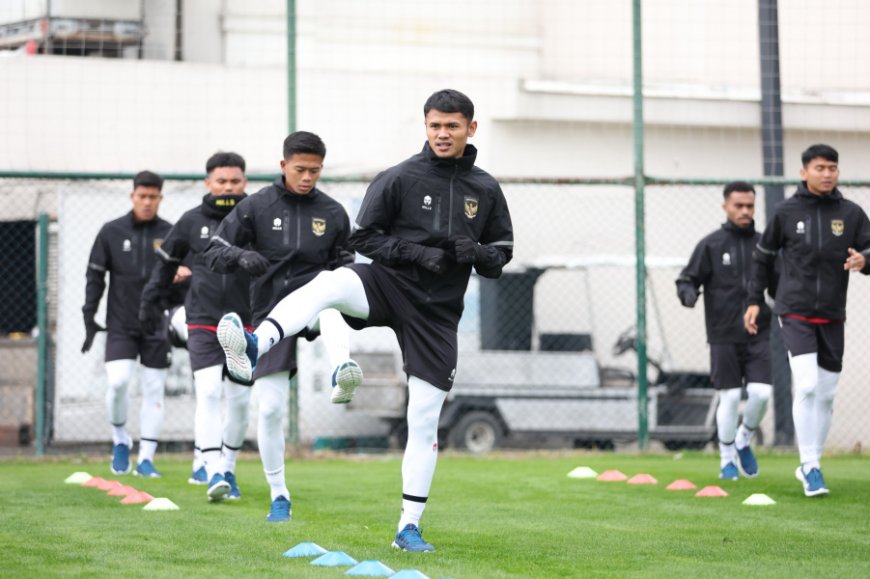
[371,569]
[642,479]
[305,550]
[711,491]
[611,476]
[137,498]
[409,574]
[122,491]
[94,481]
[77,478]
[759,500]
[681,485]
[335,559]
[582,472]
[160,504]
[107,485]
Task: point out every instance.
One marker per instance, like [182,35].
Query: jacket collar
[802,191]
[136,223]
[218,206]
[465,163]
[745,231]
[282,189]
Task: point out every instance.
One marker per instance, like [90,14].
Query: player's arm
[155,295]
[859,255]
[99,263]
[696,273]
[341,253]
[224,253]
[496,245]
[763,272]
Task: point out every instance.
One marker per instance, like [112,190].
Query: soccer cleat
[729,472]
[146,469]
[234,493]
[240,347]
[814,484]
[121,459]
[746,461]
[198,477]
[280,511]
[346,377]
[411,539]
[218,488]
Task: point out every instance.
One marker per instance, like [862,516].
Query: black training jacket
[211,294]
[431,201]
[127,250]
[301,235]
[812,233]
[722,264]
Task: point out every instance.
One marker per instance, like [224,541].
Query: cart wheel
[477,432]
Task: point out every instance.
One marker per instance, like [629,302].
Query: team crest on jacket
[318,226]
[471,205]
[157,243]
[837,227]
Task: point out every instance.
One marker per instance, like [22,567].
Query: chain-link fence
[546,351]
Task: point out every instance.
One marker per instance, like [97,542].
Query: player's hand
[91,329]
[434,260]
[688,294]
[182,274]
[855,262]
[253,263]
[345,257]
[750,319]
[467,250]
[151,317]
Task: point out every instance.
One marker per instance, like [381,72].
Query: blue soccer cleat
[240,348]
[198,477]
[410,539]
[746,461]
[729,472]
[121,459]
[146,469]
[814,484]
[346,377]
[234,493]
[280,511]
[218,488]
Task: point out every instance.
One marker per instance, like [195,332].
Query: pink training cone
[681,485]
[92,482]
[611,476]
[108,485]
[642,479]
[137,498]
[711,491]
[122,491]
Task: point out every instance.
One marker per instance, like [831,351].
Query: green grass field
[514,515]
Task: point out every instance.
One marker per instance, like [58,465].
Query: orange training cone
[611,476]
[122,491]
[642,479]
[681,485]
[711,491]
[137,498]
[92,482]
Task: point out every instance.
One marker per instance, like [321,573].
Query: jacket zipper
[818,270]
[144,243]
[450,207]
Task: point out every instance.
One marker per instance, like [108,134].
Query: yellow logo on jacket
[837,227]
[318,226]
[471,205]
[156,243]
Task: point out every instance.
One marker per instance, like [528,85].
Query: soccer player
[821,237]
[721,263]
[125,248]
[283,236]
[211,295]
[425,223]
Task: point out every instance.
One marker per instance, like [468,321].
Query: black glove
[345,257]
[150,317]
[253,263]
[688,294]
[430,258]
[467,250]
[91,329]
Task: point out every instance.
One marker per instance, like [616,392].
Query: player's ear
[472,128]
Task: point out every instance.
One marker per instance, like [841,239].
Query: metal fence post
[42,325]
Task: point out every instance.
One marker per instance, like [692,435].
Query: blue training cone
[370,569]
[335,559]
[305,550]
[409,574]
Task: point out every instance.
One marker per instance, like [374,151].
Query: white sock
[805,377]
[421,453]
[753,412]
[118,374]
[229,459]
[335,334]
[147,449]
[237,416]
[207,418]
[197,458]
[272,392]
[341,289]
[153,382]
[726,423]
[824,408]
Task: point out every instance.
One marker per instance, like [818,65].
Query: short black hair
[741,186]
[302,142]
[224,159]
[826,152]
[148,179]
[450,101]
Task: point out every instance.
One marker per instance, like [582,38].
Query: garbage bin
[507,310]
